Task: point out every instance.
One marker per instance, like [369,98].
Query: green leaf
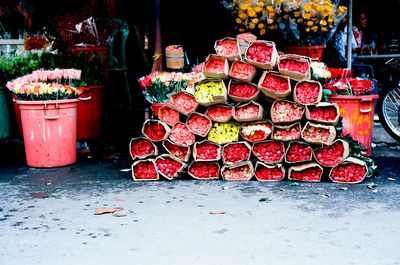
[294,184]
[265,200]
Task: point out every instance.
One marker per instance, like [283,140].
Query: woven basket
[175,58]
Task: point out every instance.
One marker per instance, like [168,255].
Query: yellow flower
[310,23]
[262,32]
[241,30]
[238,21]
[323,22]
[314,28]
[324,14]
[330,20]
[324,29]
[328,8]
[300,20]
[272,15]
[297,13]
[257,9]
[286,16]
[307,7]
[320,8]
[261,26]
[243,16]
[251,13]
[260,4]
[252,26]
[270,9]
[307,29]
[270,21]
[307,16]
[244,7]
[286,9]
[254,20]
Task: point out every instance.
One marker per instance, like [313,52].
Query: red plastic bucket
[49,129]
[314,52]
[89,112]
[358,117]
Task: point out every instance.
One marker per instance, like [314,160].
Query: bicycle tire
[382,118]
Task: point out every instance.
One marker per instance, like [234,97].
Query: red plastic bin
[314,52]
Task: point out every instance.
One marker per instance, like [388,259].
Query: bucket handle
[53,117]
[87,98]
[366,110]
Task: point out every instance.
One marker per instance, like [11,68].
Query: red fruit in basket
[257,131]
[219,113]
[181,134]
[168,166]
[331,155]
[293,65]
[275,83]
[145,170]
[204,170]
[247,111]
[237,173]
[285,111]
[267,173]
[348,172]
[286,133]
[141,147]
[236,152]
[271,151]
[307,92]
[154,130]
[298,152]
[308,174]
[325,113]
[199,124]
[241,70]
[207,151]
[242,90]
[215,66]
[169,115]
[259,52]
[176,150]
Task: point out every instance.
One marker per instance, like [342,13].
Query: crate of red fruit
[199,124]
[295,66]
[204,170]
[242,71]
[256,131]
[155,130]
[141,148]
[180,151]
[169,115]
[298,152]
[262,54]
[228,47]
[315,133]
[184,102]
[240,91]
[330,156]
[244,40]
[310,172]
[216,66]
[307,92]
[243,171]
[265,172]
[220,113]
[181,134]
[351,170]
[270,151]
[233,153]
[274,85]
[249,111]
[145,170]
[323,112]
[168,166]
[206,151]
[286,133]
[285,111]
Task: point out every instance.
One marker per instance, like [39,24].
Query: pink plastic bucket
[49,130]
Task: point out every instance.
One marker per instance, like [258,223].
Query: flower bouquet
[145,170]
[220,113]
[206,151]
[248,111]
[310,172]
[169,115]
[224,132]
[182,152]
[242,171]
[199,124]
[350,86]
[307,92]
[265,172]
[262,54]
[242,71]
[233,153]
[270,151]
[204,170]
[315,133]
[298,152]
[256,131]
[184,102]
[168,166]
[286,133]
[295,66]
[155,130]
[242,91]
[228,47]
[274,85]
[323,112]
[244,40]
[285,111]
[181,134]
[158,87]
[210,92]
[216,66]
[141,148]
[330,156]
[350,170]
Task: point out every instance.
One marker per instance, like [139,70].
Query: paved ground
[170,222]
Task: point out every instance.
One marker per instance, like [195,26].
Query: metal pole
[349,34]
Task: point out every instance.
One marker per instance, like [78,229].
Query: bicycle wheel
[389,112]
